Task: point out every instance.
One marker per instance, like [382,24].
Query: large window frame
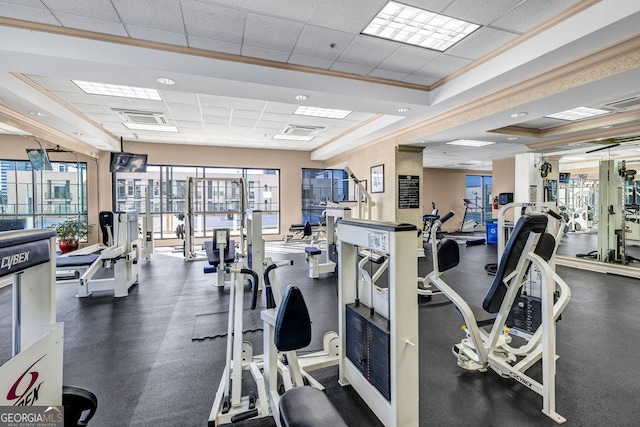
[41,198]
[320,186]
[168,199]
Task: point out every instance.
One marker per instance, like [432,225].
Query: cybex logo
[12,260]
[25,390]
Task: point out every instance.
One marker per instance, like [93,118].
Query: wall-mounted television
[564,177]
[128,162]
[39,159]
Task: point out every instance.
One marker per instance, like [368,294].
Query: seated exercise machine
[316,268]
[287,329]
[304,232]
[221,253]
[489,338]
[230,405]
[112,267]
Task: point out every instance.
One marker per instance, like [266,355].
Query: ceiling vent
[302,131]
[142,117]
[625,104]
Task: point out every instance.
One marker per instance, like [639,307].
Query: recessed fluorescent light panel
[118,90]
[470,143]
[321,112]
[293,137]
[157,128]
[419,27]
[579,113]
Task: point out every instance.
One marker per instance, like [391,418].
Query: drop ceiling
[238,66]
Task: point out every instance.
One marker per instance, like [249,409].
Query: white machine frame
[482,350]
[316,268]
[364,208]
[397,241]
[29,257]
[295,372]
[123,253]
[254,242]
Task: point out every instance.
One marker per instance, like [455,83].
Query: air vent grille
[142,117]
[625,104]
[296,130]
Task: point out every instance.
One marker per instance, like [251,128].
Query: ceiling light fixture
[470,143]
[293,137]
[419,27]
[157,128]
[37,113]
[606,127]
[165,81]
[578,113]
[118,90]
[321,112]
[512,138]
[404,110]
[302,97]
[519,114]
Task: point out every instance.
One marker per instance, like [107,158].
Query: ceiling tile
[350,16]
[213,21]
[479,12]
[310,61]
[26,3]
[316,42]
[387,74]
[532,13]
[35,14]
[481,42]
[368,51]
[408,59]
[155,35]
[90,24]
[442,66]
[421,80]
[215,45]
[345,67]
[163,15]
[271,33]
[259,52]
[170,95]
[97,9]
[298,10]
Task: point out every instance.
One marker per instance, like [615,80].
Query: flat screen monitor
[128,162]
[39,159]
[564,177]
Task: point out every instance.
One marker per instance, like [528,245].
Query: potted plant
[70,232]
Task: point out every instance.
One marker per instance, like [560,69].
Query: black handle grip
[446,217]
[244,415]
[254,286]
[554,214]
[268,292]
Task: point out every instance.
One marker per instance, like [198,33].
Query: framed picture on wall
[377,179]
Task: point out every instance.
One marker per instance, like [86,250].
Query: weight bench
[303,406]
[76,263]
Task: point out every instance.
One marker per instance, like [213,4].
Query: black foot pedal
[252,400]
[226,404]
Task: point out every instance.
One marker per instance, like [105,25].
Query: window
[38,199]
[216,203]
[320,186]
[478,192]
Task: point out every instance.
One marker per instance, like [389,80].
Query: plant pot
[67,246]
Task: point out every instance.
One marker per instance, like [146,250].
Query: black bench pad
[213,254]
[76,260]
[312,251]
[307,406]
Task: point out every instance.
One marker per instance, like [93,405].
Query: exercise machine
[202,192]
[428,219]
[364,203]
[147,242]
[113,265]
[469,225]
[28,257]
[380,354]
[489,339]
[221,253]
[255,242]
[316,268]
[230,405]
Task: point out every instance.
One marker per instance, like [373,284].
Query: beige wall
[447,188]
[504,181]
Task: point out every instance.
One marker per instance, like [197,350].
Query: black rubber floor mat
[214,325]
